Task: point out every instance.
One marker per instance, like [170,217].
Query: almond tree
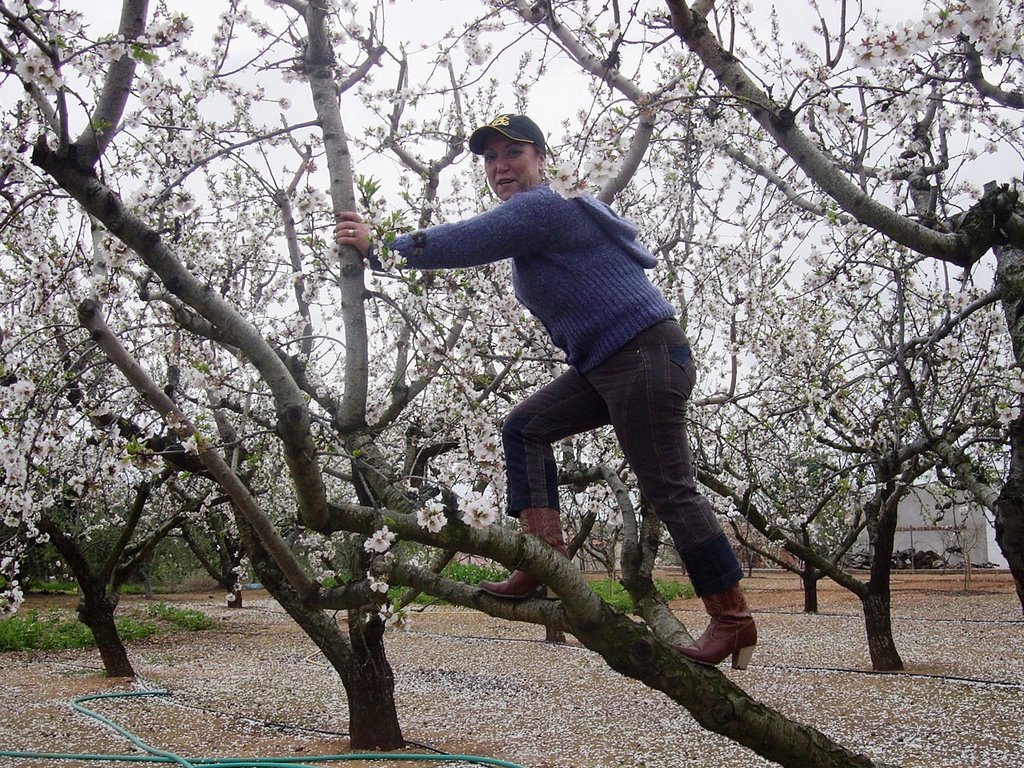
[44,47]
[332,418]
[82,464]
[886,381]
[100,579]
[880,112]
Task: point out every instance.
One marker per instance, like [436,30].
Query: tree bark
[96,611]
[1009,517]
[877,599]
[360,663]
[373,719]
[1009,507]
[878,622]
[809,579]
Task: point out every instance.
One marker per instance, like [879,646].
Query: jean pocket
[682,360]
[680,355]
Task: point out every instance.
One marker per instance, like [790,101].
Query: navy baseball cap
[515,127]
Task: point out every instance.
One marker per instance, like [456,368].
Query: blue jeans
[642,391]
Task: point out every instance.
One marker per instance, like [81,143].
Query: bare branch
[976,77]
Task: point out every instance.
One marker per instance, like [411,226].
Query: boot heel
[741,658]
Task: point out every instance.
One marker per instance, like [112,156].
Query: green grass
[613,593]
[55,629]
[465,573]
[473,574]
[182,618]
[52,587]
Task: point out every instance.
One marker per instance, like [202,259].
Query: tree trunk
[235,596]
[878,623]
[809,579]
[373,719]
[1009,507]
[361,664]
[1009,515]
[96,611]
[95,605]
[877,597]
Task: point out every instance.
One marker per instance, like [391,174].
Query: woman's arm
[519,226]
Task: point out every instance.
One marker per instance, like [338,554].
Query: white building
[952,526]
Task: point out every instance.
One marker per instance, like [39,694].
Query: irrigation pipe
[163,757]
[798,667]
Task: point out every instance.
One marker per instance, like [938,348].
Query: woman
[579,268]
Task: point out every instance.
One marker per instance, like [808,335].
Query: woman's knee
[514,428]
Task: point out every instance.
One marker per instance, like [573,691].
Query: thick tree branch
[92,319]
[629,647]
[320,68]
[631,162]
[293,424]
[778,122]
[106,118]
[976,77]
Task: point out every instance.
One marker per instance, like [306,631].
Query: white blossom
[394,618]
[477,511]
[564,179]
[1006,413]
[23,390]
[432,517]
[380,541]
[950,347]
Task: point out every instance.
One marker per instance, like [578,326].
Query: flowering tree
[887,375]
[52,57]
[212,223]
[894,112]
[216,546]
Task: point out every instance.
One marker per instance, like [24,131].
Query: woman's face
[512,166]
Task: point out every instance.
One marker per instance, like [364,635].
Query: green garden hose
[160,756]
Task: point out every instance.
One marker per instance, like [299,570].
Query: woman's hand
[351,230]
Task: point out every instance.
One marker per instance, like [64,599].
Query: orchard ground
[469,684]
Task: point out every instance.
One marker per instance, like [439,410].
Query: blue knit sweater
[576,266]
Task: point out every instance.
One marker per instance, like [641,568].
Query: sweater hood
[618,230]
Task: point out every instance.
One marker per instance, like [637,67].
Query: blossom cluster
[393,617]
[11,594]
[432,516]
[478,511]
[380,541]
[979,20]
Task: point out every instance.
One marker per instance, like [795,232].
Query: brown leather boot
[731,631]
[542,522]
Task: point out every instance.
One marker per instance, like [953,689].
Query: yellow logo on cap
[499,121]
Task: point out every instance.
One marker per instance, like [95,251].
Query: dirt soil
[471,685]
